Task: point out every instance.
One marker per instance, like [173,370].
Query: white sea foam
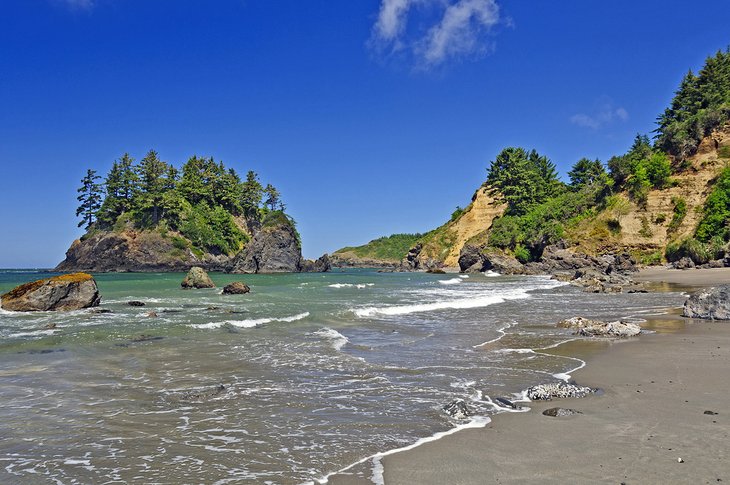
[452,281]
[350,285]
[255,322]
[477,422]
[475,302]
[515,351]
[491,274]
[337,339]
[35,333]
[463,276]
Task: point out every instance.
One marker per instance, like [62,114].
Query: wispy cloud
[77,4]
[603,114]
[459,29]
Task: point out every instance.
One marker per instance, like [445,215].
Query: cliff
[274,248]
[139,251]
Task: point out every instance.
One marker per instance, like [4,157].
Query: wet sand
[654,422]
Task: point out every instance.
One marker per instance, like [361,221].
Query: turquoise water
[318,371]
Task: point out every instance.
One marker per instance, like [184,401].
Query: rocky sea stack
[151,216]
[60,293]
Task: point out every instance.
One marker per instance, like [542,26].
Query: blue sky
[371,117]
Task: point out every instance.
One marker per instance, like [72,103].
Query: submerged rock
[60,293]
[236,288]
[709,303]
[197,278]
[596,328]
[199,395]
[506,403]
[553,390]
[560,412]
[136,303]
[458,409]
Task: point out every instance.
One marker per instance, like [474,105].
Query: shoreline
[637,430]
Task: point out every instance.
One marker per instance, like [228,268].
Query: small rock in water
[101,310]
[136,303]
[49,326]
[711,413]
[236,288]
[144,338]
[458,409]
[679,460]
[152,315]
[560,412]
[197,278]
[546,392]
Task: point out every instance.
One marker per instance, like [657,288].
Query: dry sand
[652,424]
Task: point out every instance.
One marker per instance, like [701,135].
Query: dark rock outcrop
[273,249]
[552,390]
[136,303]
[236,288]
[595,328]
[411,261]
[473,259]
[709,303]
[321,265]
[133,250]
[197,278]
[60,293]
[684,263]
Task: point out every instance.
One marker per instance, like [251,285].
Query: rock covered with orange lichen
[59,293]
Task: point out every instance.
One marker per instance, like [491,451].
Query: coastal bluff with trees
[152,216]
[667,199]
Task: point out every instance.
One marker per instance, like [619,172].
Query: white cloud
[77,4]
[459,29]
[604,114]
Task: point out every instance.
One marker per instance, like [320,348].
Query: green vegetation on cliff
[701,104]
[391,248]
[206,203]
[542,210]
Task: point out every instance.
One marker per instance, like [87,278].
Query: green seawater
[302,377]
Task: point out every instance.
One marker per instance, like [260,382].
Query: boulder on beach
[197,278]
[560,412]
[596,328]
[553,390]
[60,293]
[236,288]
[709,303]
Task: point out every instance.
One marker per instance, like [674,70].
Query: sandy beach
[663,416]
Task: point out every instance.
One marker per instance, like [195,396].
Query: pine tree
[586,172]
[273,198]
[90,199]
[251,195]
[152,184]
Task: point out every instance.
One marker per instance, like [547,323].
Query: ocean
[307,375]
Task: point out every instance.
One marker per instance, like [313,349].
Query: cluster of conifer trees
[200,200]
[539,204]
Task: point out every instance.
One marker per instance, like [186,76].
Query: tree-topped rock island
[150,216]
